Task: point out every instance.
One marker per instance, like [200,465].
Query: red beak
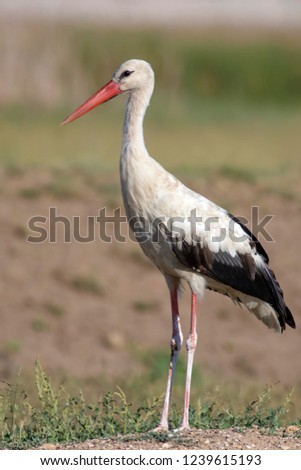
[106,93]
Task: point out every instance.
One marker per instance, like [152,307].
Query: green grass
[145,306]
[39,325]
[237,173]
[30,193]
[256,68]
[262,148]
[58,416]
[87,283]
[230,108]
[54,309]
[12,346]
[221,101]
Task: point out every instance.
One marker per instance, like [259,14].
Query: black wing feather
[259,248]
[240,272]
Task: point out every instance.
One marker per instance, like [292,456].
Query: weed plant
[59,417]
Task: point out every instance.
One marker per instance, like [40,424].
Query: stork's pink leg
[175,346]
[191,345]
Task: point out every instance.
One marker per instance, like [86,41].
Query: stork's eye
[126,73]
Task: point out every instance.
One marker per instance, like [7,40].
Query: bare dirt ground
[82,309]
[227,439]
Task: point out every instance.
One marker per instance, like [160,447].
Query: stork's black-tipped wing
[240,272]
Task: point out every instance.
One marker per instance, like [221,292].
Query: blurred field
[225,118]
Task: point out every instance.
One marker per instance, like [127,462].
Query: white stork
[221,255]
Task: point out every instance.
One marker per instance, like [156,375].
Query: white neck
[135,162]
[136,106]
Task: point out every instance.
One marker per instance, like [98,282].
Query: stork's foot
[185,425]
[184,428]
[160,428]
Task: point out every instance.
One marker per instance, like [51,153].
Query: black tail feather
[289,318]
[276,298]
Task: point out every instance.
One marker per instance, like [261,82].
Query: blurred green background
[213,86]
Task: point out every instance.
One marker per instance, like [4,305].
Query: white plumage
[188,237]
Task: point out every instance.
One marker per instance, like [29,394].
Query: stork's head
[132,75]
